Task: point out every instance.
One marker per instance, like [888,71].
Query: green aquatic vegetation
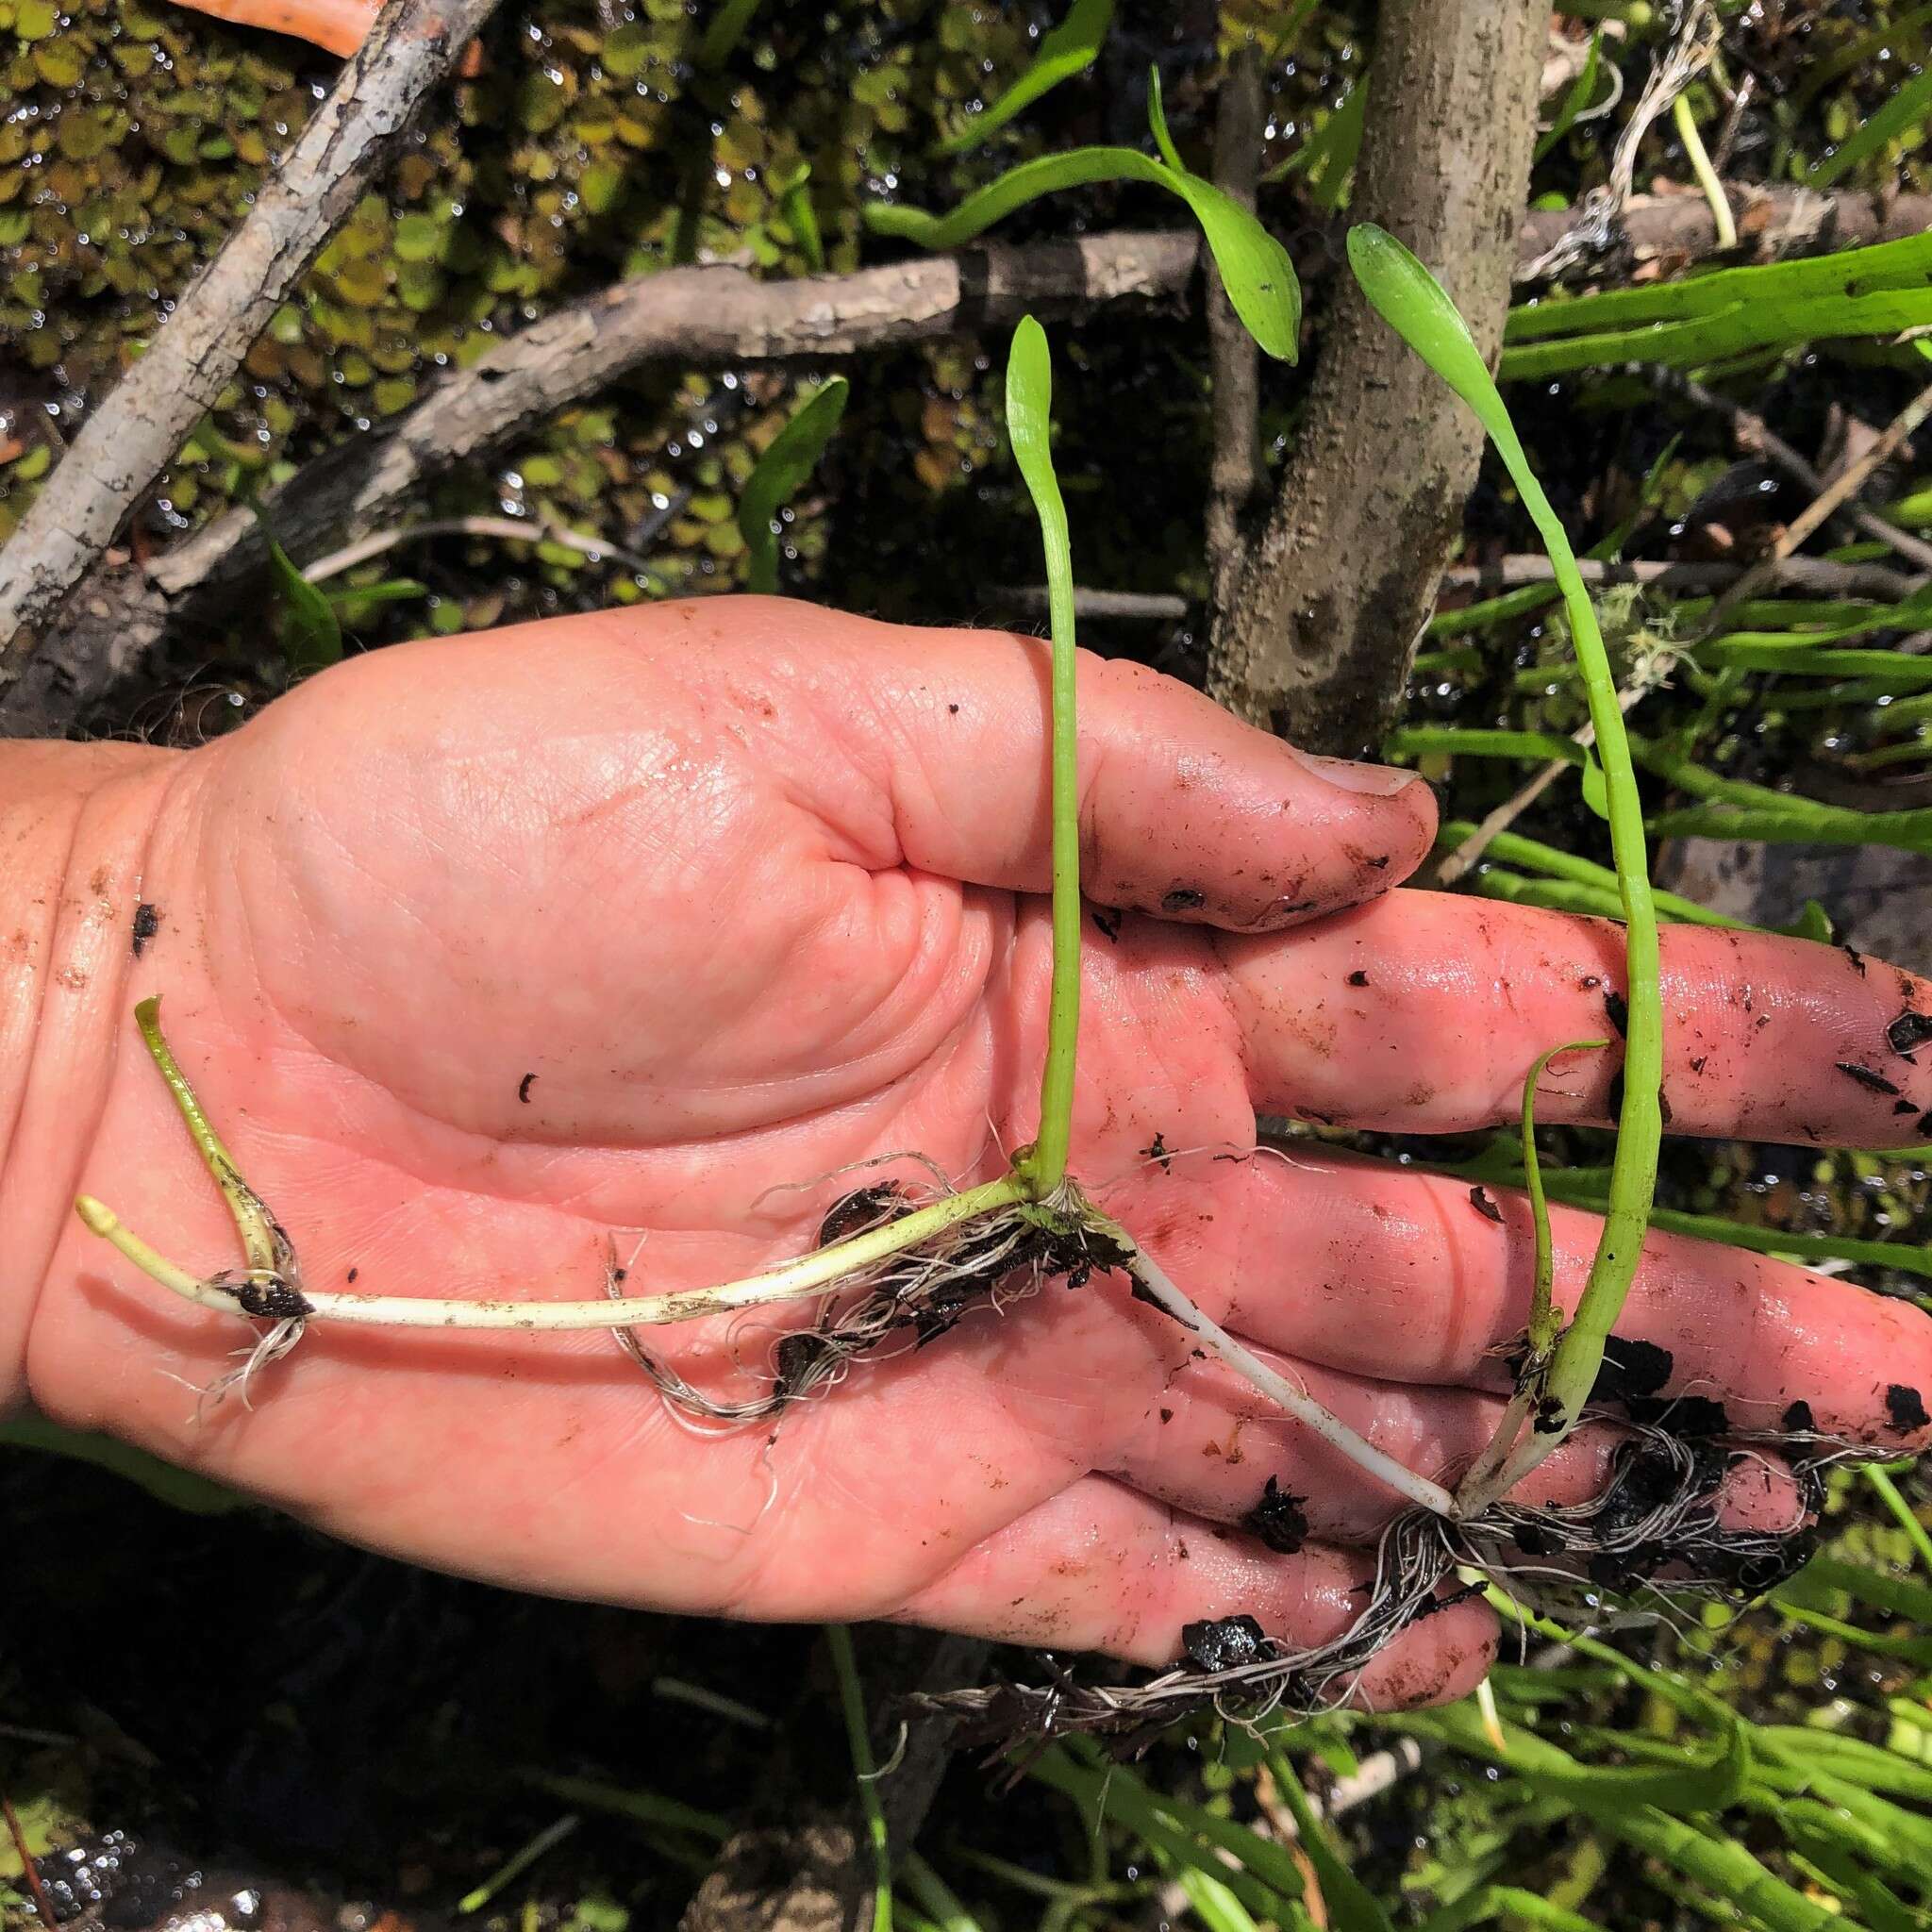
[1030,426]
[851,1706]
[1726,807]
[1704,319]
[1904,114]
[306,620]
[1069,49]
[1326,161]
[1254,267]
[781,473]
[1413,302]
[1576,99]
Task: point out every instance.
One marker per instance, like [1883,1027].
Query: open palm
[636,933]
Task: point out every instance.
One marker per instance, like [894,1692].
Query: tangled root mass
[1656,1528]
[922,1293]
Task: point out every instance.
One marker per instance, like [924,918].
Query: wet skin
[488,955]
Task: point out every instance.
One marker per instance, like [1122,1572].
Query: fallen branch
[1877,582]
[699,317]
[500,529]
[1842,489]
[134,435]
[1663,234]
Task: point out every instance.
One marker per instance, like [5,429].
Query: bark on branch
[134,435]
[700,317]
[1323,619]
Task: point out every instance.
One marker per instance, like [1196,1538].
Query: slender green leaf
[1030,429]
[801,217]
[1896,1596]
[1716,1862]
[1902,1511]
[1071,48]
[1514,849]
[306,620]
[1253,265]
[1905,113]
[727,29]
[1351,1907]
[851,1704]
[1170,1827]
[1869,1766]
[1327,158]
[1506,1900]
[1582,92]
[780,475]
[1734,312]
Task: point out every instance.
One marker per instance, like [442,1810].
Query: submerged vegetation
[1764,1766]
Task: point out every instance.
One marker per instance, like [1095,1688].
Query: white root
[1154,1282]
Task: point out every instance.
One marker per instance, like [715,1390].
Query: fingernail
[1378,781]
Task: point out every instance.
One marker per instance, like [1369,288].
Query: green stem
[266,1253]
[852,1702]
[1907,1517]
[1540,1333]
[1029,404]
[1706,174]
[810,1273]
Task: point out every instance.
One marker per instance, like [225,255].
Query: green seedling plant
[887,1259]
[780,475]
[1410,299]
[1254,267]
[1071,48]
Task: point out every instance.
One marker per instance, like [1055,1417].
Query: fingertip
[1438,1659]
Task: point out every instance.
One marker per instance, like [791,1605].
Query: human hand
[487,955]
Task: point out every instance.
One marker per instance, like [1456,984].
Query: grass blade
[1350,1906]
[1071,48]
[1582,90]
[306,620]
[780,475]
[1907,108]
[852,1702]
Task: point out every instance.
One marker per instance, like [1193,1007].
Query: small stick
[1841,487]
[506,530]
[1757,435]
[44,1905]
